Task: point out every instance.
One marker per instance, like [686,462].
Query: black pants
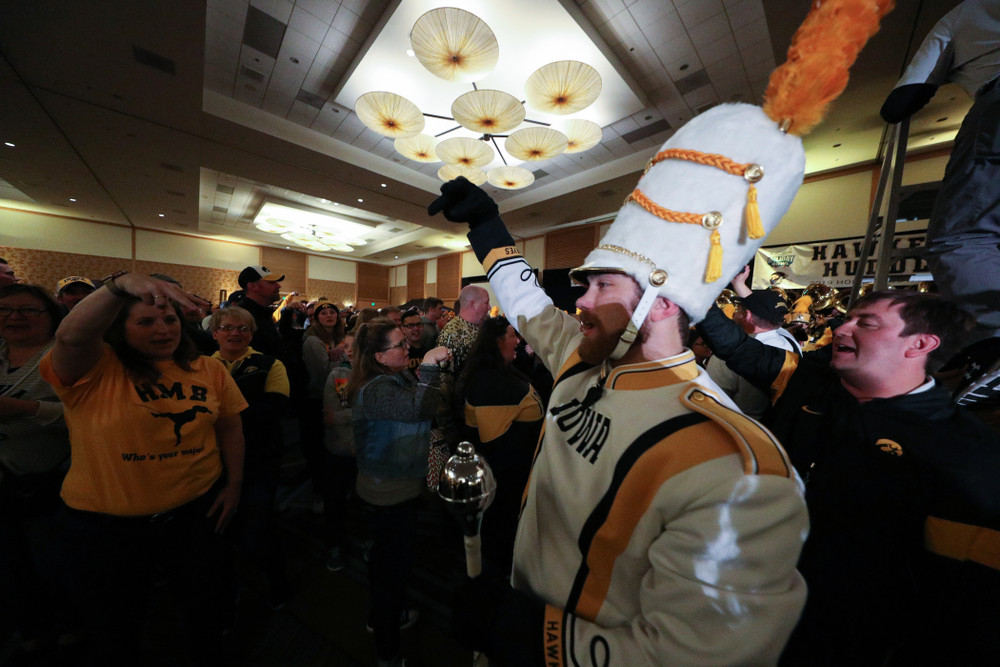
[393,528]
[109,563]
[339,476]
[29,596]
[963,234]
[253,526]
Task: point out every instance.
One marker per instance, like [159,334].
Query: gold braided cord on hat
[628,253]
[712,220]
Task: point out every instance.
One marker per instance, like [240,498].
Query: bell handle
[473,556]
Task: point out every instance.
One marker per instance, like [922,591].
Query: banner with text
[831,263]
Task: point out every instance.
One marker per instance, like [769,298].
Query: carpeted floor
[323,622]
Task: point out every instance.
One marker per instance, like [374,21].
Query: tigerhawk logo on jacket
[590,429]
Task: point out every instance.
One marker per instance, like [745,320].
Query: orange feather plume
[822,51]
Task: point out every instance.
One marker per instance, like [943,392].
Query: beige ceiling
[184,115]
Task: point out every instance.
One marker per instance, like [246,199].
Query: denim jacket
[389,448]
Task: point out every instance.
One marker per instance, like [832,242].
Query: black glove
[490,616]
[462,201]
[906,100]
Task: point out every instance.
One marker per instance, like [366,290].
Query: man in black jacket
[902,557]
[261,288]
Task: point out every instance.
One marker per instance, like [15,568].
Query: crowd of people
[144,432]
[727,494]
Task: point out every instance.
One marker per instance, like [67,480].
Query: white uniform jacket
[660,526]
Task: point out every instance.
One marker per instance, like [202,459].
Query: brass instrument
[727,302]
[727,297]
[823,297]
[841,305]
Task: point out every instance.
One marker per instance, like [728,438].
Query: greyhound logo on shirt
[181,418]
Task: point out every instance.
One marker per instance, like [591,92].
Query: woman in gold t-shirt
[156,465]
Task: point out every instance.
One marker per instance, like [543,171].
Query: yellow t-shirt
[142,448]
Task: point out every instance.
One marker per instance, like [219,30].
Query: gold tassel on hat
[714,270]
[755,228]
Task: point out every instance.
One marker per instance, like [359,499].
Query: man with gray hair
[460,334]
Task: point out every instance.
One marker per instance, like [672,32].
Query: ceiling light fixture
[458,46]
[7,143]
[310,228]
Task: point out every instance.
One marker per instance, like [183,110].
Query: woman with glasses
[34,444]
[156,468]
[263,381]
[392,413]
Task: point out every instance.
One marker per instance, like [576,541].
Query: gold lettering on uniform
[498,254]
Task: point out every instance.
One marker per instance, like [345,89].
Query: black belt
[198,507]
[987,87]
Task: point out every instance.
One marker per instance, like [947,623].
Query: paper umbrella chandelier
[456,45]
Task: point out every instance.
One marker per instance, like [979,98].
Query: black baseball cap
[252,274]
[767,305]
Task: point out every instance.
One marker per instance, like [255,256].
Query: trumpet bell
[823,296]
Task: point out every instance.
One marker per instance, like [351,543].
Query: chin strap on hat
[631,333]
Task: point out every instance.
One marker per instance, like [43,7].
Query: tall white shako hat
[724,180]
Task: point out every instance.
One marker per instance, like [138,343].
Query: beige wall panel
[431,274]
[153,246]
[826,209]
[925,171]
[471,265]
[398,276]
[329,269]
[534,252]
[36,231]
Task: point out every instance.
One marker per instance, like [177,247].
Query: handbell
[468,487]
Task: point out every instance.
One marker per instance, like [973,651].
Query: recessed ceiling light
[161,215]
[384,185]
[395,256]
[71,199]
[324,201]
[360,201]
[7,143]
[336,203]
